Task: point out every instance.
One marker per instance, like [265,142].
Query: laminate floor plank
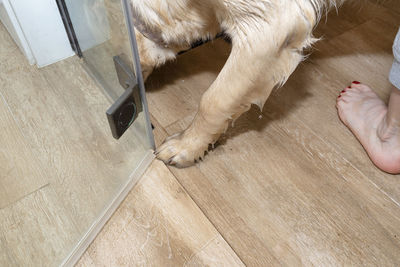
[348,16]
[8,47]
[286,186]
[62,113]
[158,224]
[299,202]
[330,70]
[37,230]
[393,5]
[290,185]
[20,174]
[66,139]
[186,79]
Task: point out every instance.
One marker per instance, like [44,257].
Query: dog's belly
[143,28]
[176,24]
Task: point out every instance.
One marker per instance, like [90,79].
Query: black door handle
[126,108]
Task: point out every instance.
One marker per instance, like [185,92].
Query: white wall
[41,25]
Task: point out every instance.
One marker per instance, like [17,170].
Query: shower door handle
[125,110]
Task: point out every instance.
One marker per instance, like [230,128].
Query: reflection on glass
[65,169]
[102,34]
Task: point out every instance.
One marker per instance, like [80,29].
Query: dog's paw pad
[181,151]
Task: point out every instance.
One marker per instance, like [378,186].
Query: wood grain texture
[158,224]
[291,185]
[350,15]
[100,57]
[36,231]
[16,182]
[174,89]
[68,128]
[286,186]
[300,202]
[373,51]
[60,112]
[393,5]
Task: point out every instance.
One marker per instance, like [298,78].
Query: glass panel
[62,167]
[103,33]
[84,169]
[92,21]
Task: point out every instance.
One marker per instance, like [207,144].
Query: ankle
[393,122]
[388,128]
[393,113]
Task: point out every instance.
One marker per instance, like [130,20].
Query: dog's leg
[260,60]
[152,54]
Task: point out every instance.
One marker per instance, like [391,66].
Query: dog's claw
[183,150]
[171,162]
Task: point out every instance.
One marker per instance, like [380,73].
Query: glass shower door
[71,147]
[102,33]
[104,37]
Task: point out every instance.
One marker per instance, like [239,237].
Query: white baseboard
[9,20]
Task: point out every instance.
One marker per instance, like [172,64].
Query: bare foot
[365,114]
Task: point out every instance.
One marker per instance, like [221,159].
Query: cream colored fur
[268,39]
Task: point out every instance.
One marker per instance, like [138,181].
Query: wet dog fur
[268,39]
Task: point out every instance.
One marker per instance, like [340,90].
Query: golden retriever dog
[268,38]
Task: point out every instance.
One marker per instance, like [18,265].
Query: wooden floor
[59,165]
[289,185]
[286,186]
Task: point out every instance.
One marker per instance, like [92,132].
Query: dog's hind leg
[152,54]
[260,59]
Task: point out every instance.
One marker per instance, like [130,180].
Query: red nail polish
[339,96]
[356,82]
[343,91]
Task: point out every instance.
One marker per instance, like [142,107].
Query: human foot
[365,114]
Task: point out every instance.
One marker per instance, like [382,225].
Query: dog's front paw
[182,149]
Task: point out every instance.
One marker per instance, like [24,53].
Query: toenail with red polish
[339,96]
[356,82]
[343,91]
